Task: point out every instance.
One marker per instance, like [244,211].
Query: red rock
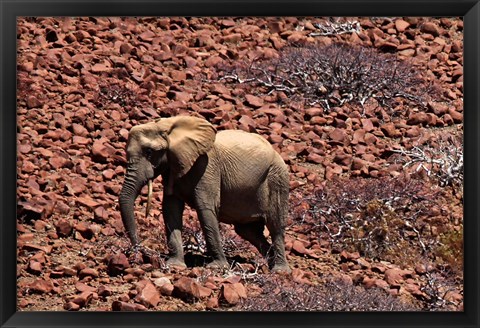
[369,282]
[41,286]
[87,201]
[233,293]
[81,140]
[417,118]
[102,152]
[28,167]
[32,210]
[390,131]
[147,294]
[108,174]
[187,289]
[299,248]
[88,272]
[83,299]
[300,276]
[33,102]
[232,38]
[456,116]
[338,136]
[100,68]
[147,36]
[100,214]
[84,228]
[367,124]
[213,61]
[57,162]
[413,289]
[360,164]
[247,123]
[71,306]
[358,136]
[79,130]
[127,307]
[82,287]
[343,159]
[401,25]
[164,285]
[212,303]
[254,101]
[63,227]
[105,291]
[117,264]
[394,277]
[24,148]
[431,28]
[35,267]
[413,132]
[315,158]
[347,256]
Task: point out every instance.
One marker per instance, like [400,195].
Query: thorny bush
[400,220]
[332,75]
[331,296]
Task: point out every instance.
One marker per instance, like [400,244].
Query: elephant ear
[188,137]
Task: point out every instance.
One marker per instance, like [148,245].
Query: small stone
[71,306]
[117,264]
[254,101]
[401,25]
[233,293]
[83,299]
[417,118]
[35,267]
[164,285]
[127,307]
[41,286]
[88,272]
[394,277]
[85,229]
[33,102]
[63,227]
[431,28]
[338,136]
[147,295]
[104,291]
[188,289]
[299,248]
[390,131]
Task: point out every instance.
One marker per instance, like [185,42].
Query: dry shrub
[334,295]
[335,74]
[386,219]
[441,159]
[450,249]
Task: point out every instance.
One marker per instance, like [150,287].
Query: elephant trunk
[130,190]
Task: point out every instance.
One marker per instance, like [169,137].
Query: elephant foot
[176,263]
[281,268]
[218,264]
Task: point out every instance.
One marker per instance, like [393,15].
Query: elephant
[234,177]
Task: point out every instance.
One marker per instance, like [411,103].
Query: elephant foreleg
[172,216]
[211,231]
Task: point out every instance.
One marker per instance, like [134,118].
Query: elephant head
[166,146]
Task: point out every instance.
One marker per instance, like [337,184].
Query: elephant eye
[148,152]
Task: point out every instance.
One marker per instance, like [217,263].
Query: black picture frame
[10,10]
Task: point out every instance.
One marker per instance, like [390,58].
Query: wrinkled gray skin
[231,176]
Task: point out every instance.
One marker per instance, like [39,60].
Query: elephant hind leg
[253,233]
[276,218]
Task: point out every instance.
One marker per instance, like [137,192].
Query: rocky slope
[84,82]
